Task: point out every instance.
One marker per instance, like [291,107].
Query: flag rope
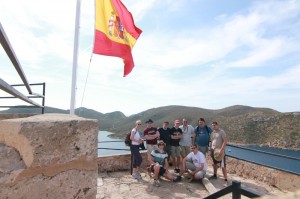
[87,75]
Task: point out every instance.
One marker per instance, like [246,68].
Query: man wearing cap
[151,134]
[176,134]
[218,144]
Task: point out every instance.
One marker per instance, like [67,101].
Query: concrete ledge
[59,152]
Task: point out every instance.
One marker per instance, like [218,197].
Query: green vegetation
[243,124]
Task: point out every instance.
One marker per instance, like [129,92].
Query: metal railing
[236,189]
[276,161]
[131,156]
[33,96]
[9,88]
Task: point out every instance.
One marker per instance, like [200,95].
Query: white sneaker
[226,184]
[156,183]
[136,176]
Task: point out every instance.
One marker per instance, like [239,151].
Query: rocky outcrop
[48,156]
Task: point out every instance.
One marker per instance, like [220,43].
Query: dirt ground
[121,185]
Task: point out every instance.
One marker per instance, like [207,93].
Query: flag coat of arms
[115,32]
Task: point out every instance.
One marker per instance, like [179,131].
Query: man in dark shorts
[159,164]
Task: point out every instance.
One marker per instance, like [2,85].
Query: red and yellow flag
[115,33]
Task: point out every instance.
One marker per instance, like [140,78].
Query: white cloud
[202,65]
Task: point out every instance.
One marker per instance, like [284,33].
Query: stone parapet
[118,162]
[55,157]
[273,177]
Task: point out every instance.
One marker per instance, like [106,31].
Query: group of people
[183,146]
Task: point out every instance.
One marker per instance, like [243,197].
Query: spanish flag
[115,33]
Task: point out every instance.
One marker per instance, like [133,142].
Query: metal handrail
[12,56]
[265,152]
[262,163]
[236,189]
[131,156]
[36,96]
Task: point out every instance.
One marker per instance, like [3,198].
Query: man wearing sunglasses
[195,164]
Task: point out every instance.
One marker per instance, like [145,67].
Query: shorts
[203,149]
[150,148]
[185,150]
[168,150]
[222,163]
[191,166]
[162,170]
[175,151]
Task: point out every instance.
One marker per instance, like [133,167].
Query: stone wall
[48,156]
[273,177]
[118,162]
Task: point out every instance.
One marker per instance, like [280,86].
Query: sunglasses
[193,148]
[139,124]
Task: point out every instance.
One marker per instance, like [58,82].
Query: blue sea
[106,142]
[282,159]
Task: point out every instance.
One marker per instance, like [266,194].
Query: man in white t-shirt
[186,139]
[194,163]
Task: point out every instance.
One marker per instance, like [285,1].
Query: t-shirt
[150,131]
[159,157]
[174,131]
[217,139]
[137,136]
[202,136]
[187,132]
[197,159]
[164,135]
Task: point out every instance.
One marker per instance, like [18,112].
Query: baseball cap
[149,121]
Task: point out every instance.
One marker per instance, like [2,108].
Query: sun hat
[161,142]
[217,156]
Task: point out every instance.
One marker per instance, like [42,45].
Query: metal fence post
[236,187]
[131,163]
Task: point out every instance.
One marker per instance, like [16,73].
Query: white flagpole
[75,56]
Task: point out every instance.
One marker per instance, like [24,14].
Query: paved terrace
[120,184]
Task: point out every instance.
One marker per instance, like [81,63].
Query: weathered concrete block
[59,154]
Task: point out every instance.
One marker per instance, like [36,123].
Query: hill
[243,124]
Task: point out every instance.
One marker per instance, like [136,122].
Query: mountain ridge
[243,124]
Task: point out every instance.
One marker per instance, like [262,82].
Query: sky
[199,53]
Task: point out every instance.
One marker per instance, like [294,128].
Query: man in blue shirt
[202,136]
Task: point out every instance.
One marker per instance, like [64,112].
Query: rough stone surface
[272,177]
[59,154]
[118,162]
[121,185]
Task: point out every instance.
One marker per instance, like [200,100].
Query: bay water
[116,146]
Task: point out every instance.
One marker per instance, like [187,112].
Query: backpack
[127,139]
[208,132]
